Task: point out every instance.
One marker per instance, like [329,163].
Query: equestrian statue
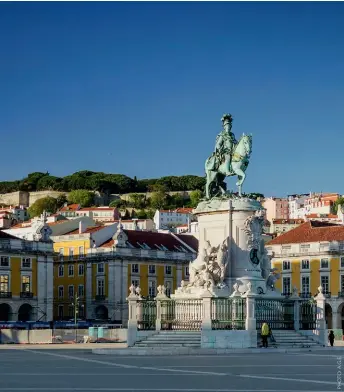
[230,158]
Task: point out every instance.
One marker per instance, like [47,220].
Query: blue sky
[140,88]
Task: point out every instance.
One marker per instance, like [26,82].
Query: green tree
[82,197]
[48,204]
[118,203]
[141,214]
[338,202]
[61,200]
[137,200]
[158,200]
[195,197]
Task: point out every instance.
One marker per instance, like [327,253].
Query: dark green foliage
[48,204]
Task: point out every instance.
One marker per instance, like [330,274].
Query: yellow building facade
[26,279]
[310,256]
[99,264]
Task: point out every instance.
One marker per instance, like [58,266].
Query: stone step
[170,346]
[161,337]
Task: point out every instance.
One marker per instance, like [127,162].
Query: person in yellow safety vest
[265,334]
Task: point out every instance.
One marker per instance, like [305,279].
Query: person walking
[265,334]
[331,338]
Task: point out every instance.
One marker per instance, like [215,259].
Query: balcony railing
[100,297]
[340,293]
[26,294]
[286,293]
[5,294]
[327,294]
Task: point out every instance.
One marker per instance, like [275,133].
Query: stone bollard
[132,319]
[207,311]
[295,297]
[321,322]
[159,298]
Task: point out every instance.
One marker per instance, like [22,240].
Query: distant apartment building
[320,203]
[134,224]
[16,213]
[276,208]
[99,214]
[280,226]
[296,204]
[165,219]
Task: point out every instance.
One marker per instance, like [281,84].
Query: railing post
[251,322]
[295,297]
[160,297]
[207,311]
[132,319]
[321,322]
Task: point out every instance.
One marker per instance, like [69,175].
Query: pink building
[276,208]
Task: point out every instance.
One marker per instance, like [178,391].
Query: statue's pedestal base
[199,292]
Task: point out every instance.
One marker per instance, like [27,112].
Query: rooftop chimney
[82,227]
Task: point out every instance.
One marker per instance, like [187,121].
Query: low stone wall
[228,339]
[8,336]
[40,336]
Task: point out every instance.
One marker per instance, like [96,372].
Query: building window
[342,262]
[81,270]
[71,311]
[324,263]
[286,265]
[26,262]
[305,248]
[4,284]
[187,271]
[100,268]
[61,270]
[151,288]
[61,253]
[151,269]
[168,286]
[71,270]
[305,284]
[60,312]
[168,270]
[81,291]
[342,283]
[325,284]
[4,261]
[71,291]
[26,284]
[305,264]
[134,268]
[71,253]
[81,251]
[286,286]
[61,292]
[100,287]
[135,282]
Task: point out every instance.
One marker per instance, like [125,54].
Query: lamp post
[76,311]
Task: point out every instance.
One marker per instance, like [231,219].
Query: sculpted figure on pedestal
[230,158]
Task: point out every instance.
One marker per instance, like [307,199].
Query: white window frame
[170,269]
[132,269]
[71,253]
[328,263]
[341,289]
[83,290]
[69,274]
[167,283]
[283,278]
[81,252]
[149,267]
[59,270]
[102,269]
[286,269]
[8,283]
[135,282]
[340,261]
[186,271]
[307,276]
[329,282]
[100,286]
[69,290]
[2,259]
[152,288]
[305,269]
[58,311]
[30,282]
[83,269]
[58,291]
[26,259]
[61,252]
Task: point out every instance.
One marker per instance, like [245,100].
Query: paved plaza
[80,370]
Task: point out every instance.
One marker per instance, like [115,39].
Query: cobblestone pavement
[80,370]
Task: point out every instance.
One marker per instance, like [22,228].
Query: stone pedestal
[237,222]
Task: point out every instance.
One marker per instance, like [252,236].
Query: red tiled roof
[330,216]
[189,240]
[151,239]
[287,221]
[88,230]
[71,207]
[312,231]
[98,209]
